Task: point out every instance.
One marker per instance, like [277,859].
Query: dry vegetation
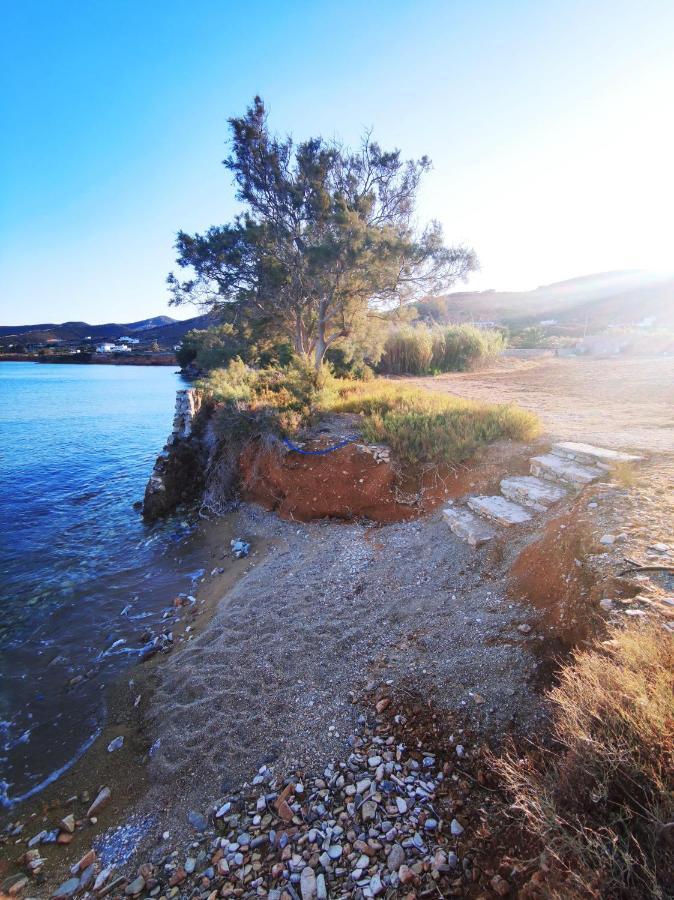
[422,350]
[420,427]
[602,800]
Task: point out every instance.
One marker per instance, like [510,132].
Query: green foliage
[326,235]
[420,350]
[215,347]
[423,427]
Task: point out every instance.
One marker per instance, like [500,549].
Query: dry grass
[420,350]
[625,474]
[425,427]
[603,801]
[420,427]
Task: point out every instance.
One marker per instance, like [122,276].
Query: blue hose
[289,444]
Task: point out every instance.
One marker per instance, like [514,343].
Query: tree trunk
[320,346]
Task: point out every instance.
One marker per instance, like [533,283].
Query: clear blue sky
[549,125]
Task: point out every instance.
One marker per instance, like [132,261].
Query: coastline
[127,701]
[163,359]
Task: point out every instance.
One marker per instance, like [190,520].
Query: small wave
[8,802]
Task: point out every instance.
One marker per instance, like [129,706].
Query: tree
[327,236]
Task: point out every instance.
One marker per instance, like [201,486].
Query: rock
[606,604]
[607,539]
[564,471]
[308,883]
[16,887]
[500,886]
[499,510]
[588,453]
[102,799]
[136,886]
[431,824]
[197,820]
[533,492]
[240,548]
[524,628]
[383,704]
[368,810]
[321,889]
[87,860]
[68,824]
[401,805]
[67,889]
[396,858]
[376,886]
[116,744]
[405,874]
[456,827]
[467,526]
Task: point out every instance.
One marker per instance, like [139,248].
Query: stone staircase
[567,468]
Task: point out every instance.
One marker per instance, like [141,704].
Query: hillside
[163,329]
[592,301]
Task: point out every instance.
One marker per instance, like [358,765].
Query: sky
[549,125]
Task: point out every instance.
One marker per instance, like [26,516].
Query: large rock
[499,510]
[588,454]
[470,528]
[564,471]
[536,493]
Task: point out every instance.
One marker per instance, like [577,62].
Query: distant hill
[163,329]
[592,302]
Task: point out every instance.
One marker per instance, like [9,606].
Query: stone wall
[178,473]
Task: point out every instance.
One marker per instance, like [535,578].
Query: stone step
[564,471]
[498,509]
[470,528]
[588,454]
[536,493]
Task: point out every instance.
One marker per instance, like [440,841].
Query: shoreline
[167,359]
[127,699]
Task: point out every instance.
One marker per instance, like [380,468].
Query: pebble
[367,837]
[607,539]
[308,883]
[197,821]
[396,858]
[456,827]
[116,744]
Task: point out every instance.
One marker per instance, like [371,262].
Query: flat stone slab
[470,528]
[588,454]
[533,492]
[500,510]
[565,471]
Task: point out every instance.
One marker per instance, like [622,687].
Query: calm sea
[80,572]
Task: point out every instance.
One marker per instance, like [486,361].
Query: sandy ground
[279,672]
[625,402]
[333,608]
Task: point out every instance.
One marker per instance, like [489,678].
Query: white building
[105,348]
[129,340]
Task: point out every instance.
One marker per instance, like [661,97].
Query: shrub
[422,427]
[601,802]
[408,351]
[420,350]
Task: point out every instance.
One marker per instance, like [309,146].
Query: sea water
[80,573]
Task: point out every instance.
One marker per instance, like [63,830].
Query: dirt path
[626,403]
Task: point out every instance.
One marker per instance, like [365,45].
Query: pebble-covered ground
[282,764]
